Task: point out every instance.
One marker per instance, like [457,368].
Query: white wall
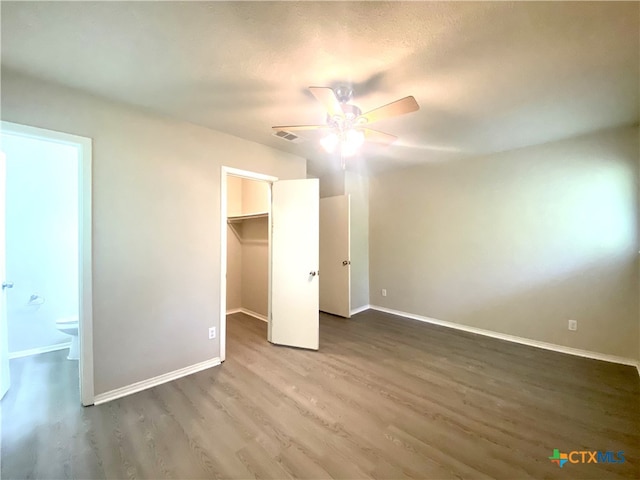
[517,242]
[42,239]
[5,374]
[156,224]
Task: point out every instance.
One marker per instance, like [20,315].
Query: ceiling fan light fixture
[352,141]
[347,125]
[330,142]
[347,143]
[354,137]
[348,150]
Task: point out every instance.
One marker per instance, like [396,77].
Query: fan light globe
[355,137]
[348,142]
[351,142]
[330,142]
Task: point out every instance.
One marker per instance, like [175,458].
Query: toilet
[69,325]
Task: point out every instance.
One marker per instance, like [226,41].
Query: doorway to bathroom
[46,279]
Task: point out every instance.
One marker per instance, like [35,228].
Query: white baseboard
[360,309]
[36,351]
[512,338]
[251,313]
[254,314]
[155,381]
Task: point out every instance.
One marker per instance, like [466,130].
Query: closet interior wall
[248,246]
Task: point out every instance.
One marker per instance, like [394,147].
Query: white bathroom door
[294,316]
[5,377]
[335,264]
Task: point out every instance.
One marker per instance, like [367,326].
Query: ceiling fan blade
[327,97]
[291,128]
[393,109]
[378,137]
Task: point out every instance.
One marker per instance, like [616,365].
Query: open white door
[5,379]
[335,264]
[294,318]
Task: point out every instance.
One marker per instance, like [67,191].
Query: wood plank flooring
[383,398]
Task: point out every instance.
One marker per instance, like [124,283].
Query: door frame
[85,293]
[224,173]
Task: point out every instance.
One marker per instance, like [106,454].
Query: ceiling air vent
[288,136]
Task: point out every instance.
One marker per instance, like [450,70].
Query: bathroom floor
[44,388]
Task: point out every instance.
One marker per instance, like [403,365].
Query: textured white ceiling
[489,76]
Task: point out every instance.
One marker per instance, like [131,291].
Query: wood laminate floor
[384,397]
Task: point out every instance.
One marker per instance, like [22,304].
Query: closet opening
[245,248]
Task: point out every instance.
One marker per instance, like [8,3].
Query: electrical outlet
[573,325]
[212,333]
[384,292]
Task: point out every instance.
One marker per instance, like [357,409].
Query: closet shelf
[246,216]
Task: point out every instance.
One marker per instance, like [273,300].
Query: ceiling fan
[347,127]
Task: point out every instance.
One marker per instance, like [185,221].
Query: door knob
[313,274]
[7,285]
[346,262]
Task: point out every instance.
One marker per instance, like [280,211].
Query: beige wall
[517,242]
[255,196]
[156,224]
[248,247]
[234,266]
[255,265]
[234,246]
[331,184]
[357,186]
[234,195]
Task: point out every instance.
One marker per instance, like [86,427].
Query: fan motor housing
[344,94]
